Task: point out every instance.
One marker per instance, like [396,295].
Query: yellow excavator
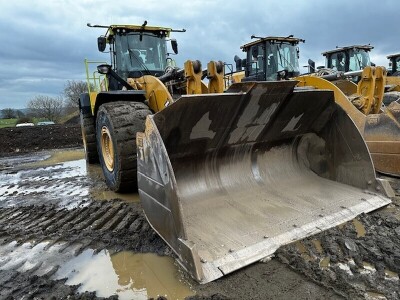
[225,178]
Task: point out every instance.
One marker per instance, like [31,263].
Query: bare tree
[8,113]
[72,90]
[46,107]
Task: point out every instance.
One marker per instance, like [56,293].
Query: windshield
[358,59]
[144,52]
[281,56]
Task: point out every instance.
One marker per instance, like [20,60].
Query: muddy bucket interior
[226,179]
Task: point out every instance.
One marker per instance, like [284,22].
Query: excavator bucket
[226,179]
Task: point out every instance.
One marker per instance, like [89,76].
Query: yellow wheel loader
[227,178]
[142,79]
[224,178]
[344,67]
[373,93]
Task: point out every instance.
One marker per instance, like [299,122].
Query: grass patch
[7,122]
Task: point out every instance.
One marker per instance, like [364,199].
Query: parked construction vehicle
[224,178]
[349,58]
[394,64]
[362,101]
[141,80]
[379,125]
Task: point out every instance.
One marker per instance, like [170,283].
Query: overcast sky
[44,42]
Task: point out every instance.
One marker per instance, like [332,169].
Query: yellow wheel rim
[107,149]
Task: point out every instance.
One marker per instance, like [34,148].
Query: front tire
[88,127]
[116,127]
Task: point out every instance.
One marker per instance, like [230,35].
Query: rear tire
[116,127]
[88,127]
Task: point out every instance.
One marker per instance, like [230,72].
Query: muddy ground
[62,231]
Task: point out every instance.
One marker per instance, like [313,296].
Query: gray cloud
[44,45]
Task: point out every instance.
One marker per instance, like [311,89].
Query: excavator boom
[226,179]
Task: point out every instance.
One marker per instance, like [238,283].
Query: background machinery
[380,126]
[224,178]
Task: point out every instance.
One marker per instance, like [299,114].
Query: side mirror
[373,65]
[174,45]
[101,43]
[244,62]
[238,63]
[104,69]
[311,66]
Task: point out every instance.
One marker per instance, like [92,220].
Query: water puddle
[60,177]
[57,157]
[318,246]
[374,296]
[368,268]
[360,229]
[391,275]
[345,267]
[126,274]
[325,263]
[303,251]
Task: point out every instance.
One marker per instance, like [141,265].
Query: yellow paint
[156,92]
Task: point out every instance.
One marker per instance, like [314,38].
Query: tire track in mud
[113,225]
[360,259]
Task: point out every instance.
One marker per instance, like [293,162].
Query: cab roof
[162,31]
[339,49]
[393,55]
[273,39]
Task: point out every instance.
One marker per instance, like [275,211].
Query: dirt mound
[36,138]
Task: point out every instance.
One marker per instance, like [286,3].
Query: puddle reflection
[126,274]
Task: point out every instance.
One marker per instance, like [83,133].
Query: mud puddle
[126,274]
[60,177]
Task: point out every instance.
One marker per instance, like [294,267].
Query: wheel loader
[344,66]
[373,93]
[142,79]
[225,178]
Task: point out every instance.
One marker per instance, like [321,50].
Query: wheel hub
[107,148]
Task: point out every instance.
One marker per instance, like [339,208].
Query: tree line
[50,108]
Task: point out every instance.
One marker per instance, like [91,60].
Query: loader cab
[136,51]
[394,64]
[347,59]
[271,58]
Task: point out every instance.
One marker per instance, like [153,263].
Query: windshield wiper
[139,60]
[288,64]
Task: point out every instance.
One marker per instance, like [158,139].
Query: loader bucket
[381,131]
[382,134]
[226,179]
